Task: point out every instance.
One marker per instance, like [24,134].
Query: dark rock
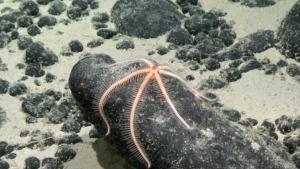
[231,74]
[173,47]
[296,124]
[11,156]
[57,8]
[76,46]
[188,52]
[25,21]
[209,47]
[74,13]
[58,114]
[106,33]
[72,138]
[3,67]
[4,40]
[46,21]
[193,65]
[3,86]
[50,163]
[180,147]
[190,77]
[98,26]
[196,24]
[85,13]
[162,50]
[270,69]
[49,142]
[151,53]
[235,63]
[82,4]
[212,18]
[248,57]
[78,117]
[213,83]
[264,61]
[268,125]
[11,17]
[196,10]
[7,26]
[200,37]
[245,123]
[145,19]
[289,32]
[250,65]
[225,26]
[38,105]
[253,122]
[34,70]
[212,64]
[70,104]
[125,44]
[14,34]
[50,77]
[21,66]
[30,8]
[281,63]
[94,133]
[31,120]
[65,153]
[17,89]
[231,114]
[24,133]
[273,135]
[32,163]
[36,53]
[43,2]
[24,42]
[94,5]
[296,159]
[228,36]
[214,33]
[4,164]
[291,143]
[284,124]
[102,18]
[54,94]
[257,42]
[23,78]
[2,117]
[293,69]
[95,43]
[3,146]
[180,37]
[71,126]
[231,54]
[33,30]
[37,82]
[258,3]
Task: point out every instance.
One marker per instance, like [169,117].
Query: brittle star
[152,72]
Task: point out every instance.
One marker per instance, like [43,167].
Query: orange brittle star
[153,72]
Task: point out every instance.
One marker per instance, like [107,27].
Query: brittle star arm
[132,118]
[106,94]
[197,94]
[165,93]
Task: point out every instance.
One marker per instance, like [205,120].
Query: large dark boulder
[145,18]
[289,34]
[213,143]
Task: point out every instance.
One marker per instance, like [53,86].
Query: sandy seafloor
[255,95]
